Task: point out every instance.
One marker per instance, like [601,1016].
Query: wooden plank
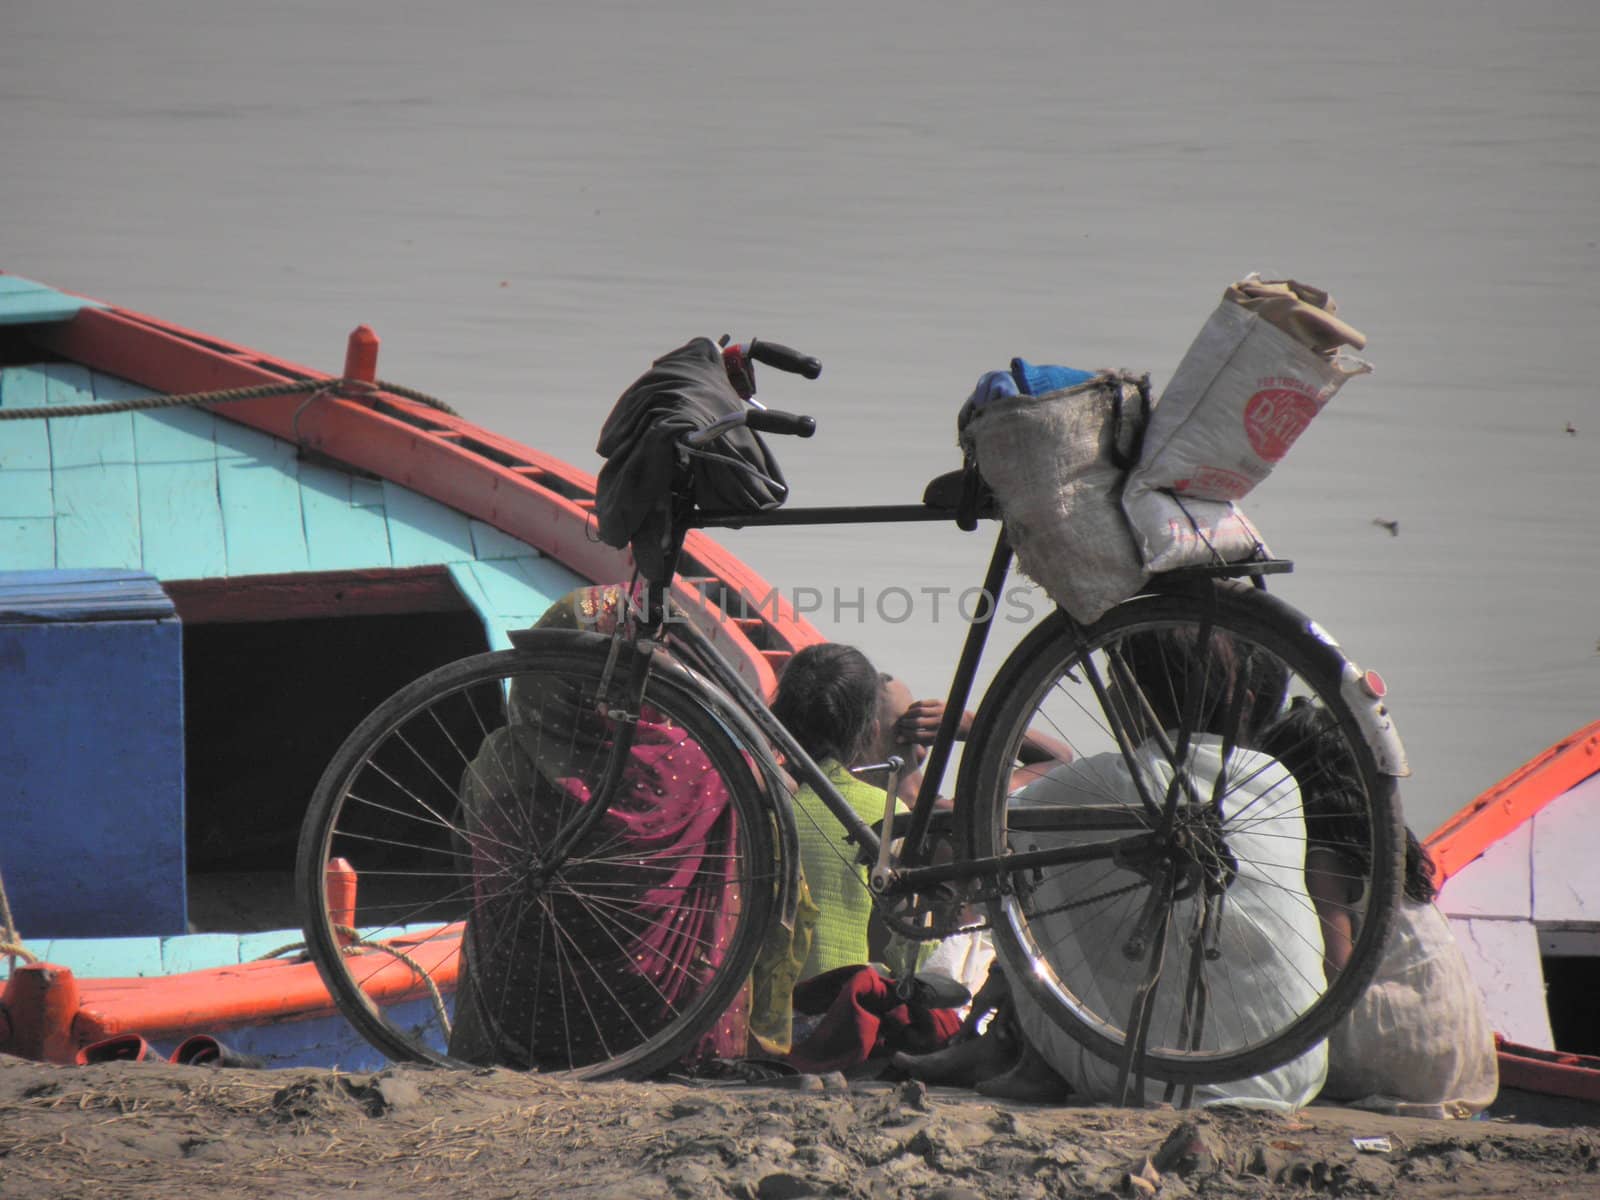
[96,484]
[110,957]
[97,517]
[28,543]
[26,491]
[263,528]
[25,476]
[323,594]
[84,441]
[366,493]
[339,533]
[523,588]
[467,584]
[180,520]
[253,946]
[1503,957]
[1566,887]
[489,542]
[180,511]
[1499,883]
[199,951]
[169,435]
[423,530]
[24,302]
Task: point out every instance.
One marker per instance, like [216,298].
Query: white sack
[1269,938]
[1263,365]
[1177,531]
[1246,389]
[1418,1042]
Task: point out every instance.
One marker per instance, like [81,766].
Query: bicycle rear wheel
[473,941]
[1231,710]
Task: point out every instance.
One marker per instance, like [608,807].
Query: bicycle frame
[960,685]
[910,870]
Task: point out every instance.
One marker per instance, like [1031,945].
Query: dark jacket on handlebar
[685,390]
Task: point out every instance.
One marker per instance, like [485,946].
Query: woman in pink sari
[561,970]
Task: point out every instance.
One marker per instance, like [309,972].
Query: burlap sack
[1052,463]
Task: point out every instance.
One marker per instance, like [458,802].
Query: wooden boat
[197,603]
[1522,894]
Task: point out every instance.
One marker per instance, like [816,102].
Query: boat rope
[349,388]
[11,946]
[357,944]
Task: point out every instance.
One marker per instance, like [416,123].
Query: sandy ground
[155,1130]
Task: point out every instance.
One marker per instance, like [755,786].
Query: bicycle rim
[472,942]
[1218,692]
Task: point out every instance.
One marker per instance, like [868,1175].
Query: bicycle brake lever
[741,370]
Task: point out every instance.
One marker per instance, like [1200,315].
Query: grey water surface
[529,201]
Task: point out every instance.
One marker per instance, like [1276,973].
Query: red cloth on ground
[864,1019]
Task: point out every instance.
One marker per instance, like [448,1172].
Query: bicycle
[500,813]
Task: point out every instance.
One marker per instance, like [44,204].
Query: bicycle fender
[1370,712]
[1375,721]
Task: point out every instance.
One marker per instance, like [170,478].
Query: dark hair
[1308,742]
[828,699]
[1177,678]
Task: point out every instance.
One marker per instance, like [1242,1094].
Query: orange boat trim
[1517,797]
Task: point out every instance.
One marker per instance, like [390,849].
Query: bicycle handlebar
[772,420]
[739,360]
[762,420]
[784,359]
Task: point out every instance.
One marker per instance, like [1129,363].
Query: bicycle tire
[1058,936]
[612,963]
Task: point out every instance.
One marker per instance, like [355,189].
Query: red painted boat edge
[1517,797]
[222,999]
[1549,1072]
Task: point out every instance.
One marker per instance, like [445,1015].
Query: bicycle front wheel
[542,881]
[1258,849]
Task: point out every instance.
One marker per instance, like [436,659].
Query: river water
[528,201]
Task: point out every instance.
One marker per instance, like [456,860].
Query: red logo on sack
[1213,483]
[1274,417]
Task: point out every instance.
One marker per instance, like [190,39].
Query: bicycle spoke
[609,960]
[1168,717]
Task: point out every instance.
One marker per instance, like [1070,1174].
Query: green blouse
[837,883]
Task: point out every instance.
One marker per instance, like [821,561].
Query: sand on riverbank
[153,1130]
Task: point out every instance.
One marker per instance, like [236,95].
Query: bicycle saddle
[965,491]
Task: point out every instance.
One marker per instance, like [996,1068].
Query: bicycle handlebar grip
[785,359]
[770,420]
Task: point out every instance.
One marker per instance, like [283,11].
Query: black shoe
[930,989]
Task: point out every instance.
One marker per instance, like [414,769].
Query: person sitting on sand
[671,807]
[844,713]
[1273,950]
[1418,1041]
[838,707]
